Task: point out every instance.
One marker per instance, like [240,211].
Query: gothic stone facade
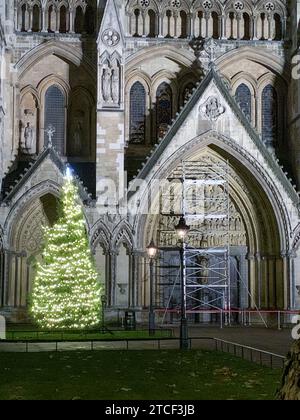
[133,88]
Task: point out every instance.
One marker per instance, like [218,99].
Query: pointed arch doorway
[26,244]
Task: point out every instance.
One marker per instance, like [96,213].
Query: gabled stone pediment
[48,169]
[212,110]
[111,32]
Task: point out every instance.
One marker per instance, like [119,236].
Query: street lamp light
[152,252]
[182,230]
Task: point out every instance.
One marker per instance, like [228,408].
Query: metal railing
[262,357]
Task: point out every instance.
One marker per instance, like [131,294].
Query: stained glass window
[243,98]
[137,113]
[55,115]
[269,115]
[163,108]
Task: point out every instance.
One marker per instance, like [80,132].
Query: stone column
[269,28]
[2,278]
[238,24]
[175,24]
[144,24]
[160,25]
[207,17]
[113,262]
[223,26]
[57,15]
[252,278]
[129,24]
[108,282]
[45,20]
[272,281]
[285,256]
[71,18]
[285,35]
[243,269]
[193,21]
[292,279]
[29,19]
[265,284]
[220,27]
[259,280]
[254,27]
[131,285]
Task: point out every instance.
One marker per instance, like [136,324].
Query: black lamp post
[152,252]
[103,306]
[182,230]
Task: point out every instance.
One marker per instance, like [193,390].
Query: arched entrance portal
[26,243]
[256,237]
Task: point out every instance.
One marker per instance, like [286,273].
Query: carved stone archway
[256,238]
[25,246]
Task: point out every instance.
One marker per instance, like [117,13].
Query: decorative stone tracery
[206,18]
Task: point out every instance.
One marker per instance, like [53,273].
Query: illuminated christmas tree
[66,292]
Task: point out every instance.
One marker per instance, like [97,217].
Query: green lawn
[141,375]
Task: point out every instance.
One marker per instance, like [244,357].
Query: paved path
[274,341]
[271,340]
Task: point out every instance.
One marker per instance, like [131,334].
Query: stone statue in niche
[203,267]
[78,134]
[115,85]
[106,84]
[28,142]
[110,82]
[28,138]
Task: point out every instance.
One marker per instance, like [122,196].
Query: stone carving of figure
[203,263]
[212,108]
[28,138]
[78,138]
[115,85]
[106,85]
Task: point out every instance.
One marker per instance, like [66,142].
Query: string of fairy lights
[66,292]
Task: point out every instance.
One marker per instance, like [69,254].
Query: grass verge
[138,375]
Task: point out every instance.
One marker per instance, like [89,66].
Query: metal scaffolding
[199,191]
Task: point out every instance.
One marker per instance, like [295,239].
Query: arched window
[55,116]
[169,20]
[164,99]
[36,18]
[184,24]
[232,22]
[247,24]
[79,20]
[263,26]
[215,23]
[137,114]
[152,24]
[137,15]
[89,21]
[278,27]
[63,20]
[243,98]
[51,18]
[23,11]
[269,115]
[200,27]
